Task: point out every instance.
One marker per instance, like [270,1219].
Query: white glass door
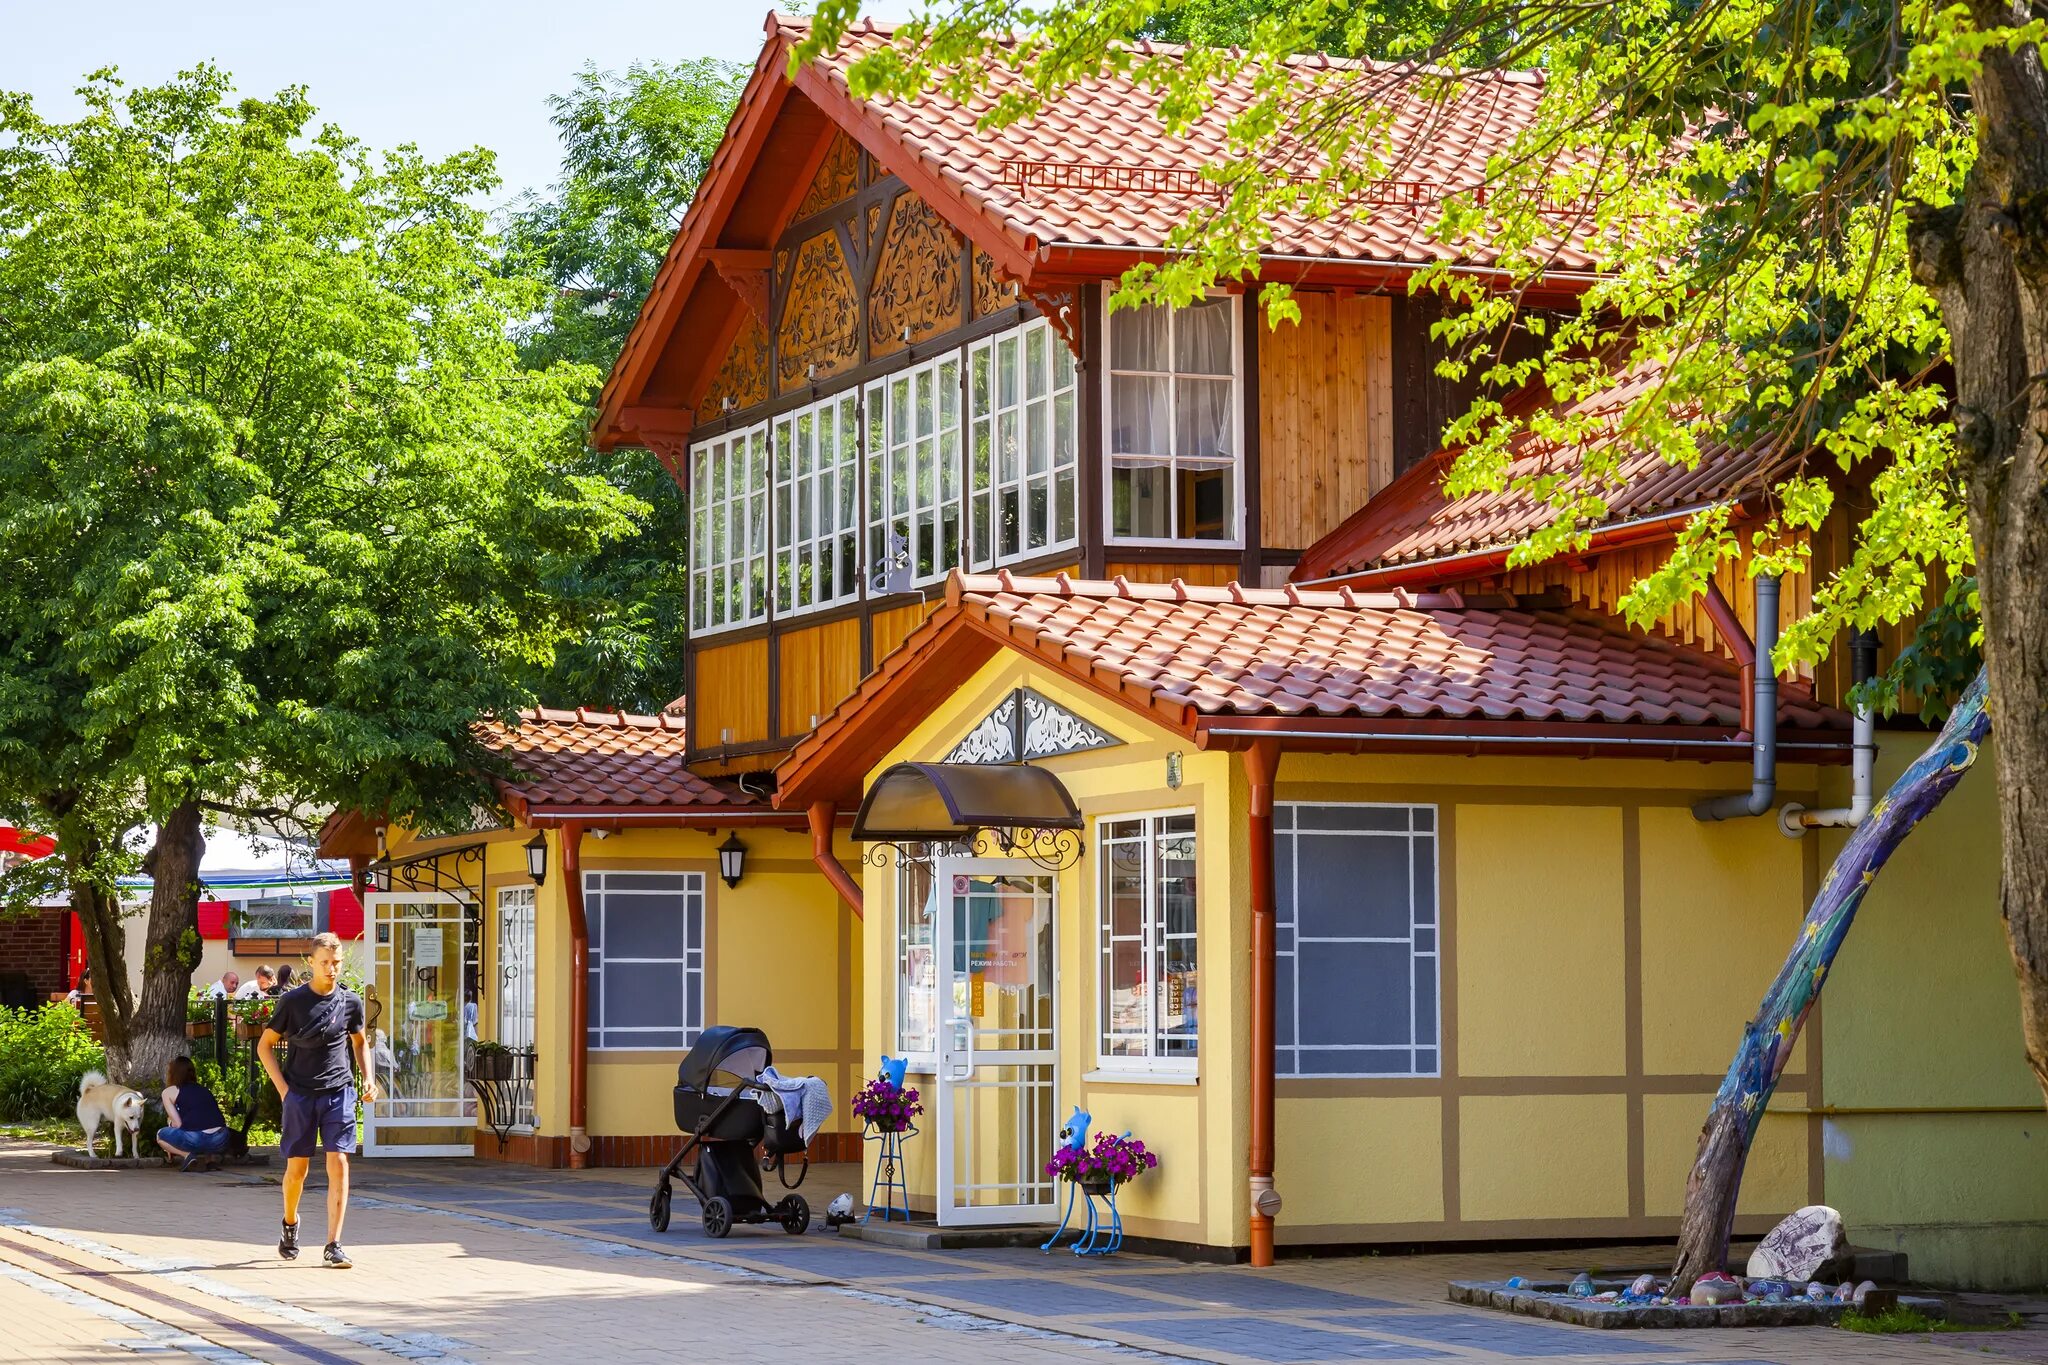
[515,986]
[425,1107]
[996,1045]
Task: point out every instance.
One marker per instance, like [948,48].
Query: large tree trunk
[155,1032]
[99,916]
[1769,1038]
[1986,259]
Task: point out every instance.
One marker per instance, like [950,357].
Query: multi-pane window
[817,500]
[1025,441]
[1147,985]
[646,958]
[917,995]
[729,530]
[913,451]
[1172,424]
[1356,936]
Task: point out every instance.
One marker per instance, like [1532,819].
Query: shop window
[1356,930]
[913,457]
[917,995]
[1173,437]
[1147,982]
[729,530]
[1024,444]
[817,499]
[646,958]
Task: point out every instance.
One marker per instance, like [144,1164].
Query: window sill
[1143,1078]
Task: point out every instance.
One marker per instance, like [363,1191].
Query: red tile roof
[1098,168]
[1412,520]
[601,759]
[1187,656]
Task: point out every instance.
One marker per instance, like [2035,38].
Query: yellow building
[676,901]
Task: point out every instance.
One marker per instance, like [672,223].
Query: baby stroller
[718,1103]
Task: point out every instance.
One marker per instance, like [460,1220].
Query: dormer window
[1174,431]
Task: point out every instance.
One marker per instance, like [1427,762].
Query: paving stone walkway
[470,1262]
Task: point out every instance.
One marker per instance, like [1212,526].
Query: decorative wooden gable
[1025,725]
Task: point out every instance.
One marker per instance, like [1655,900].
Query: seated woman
[197,1131]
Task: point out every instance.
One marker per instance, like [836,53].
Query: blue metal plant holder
[889,1181]
[1097,1238]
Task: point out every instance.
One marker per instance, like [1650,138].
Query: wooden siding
[818,666]
[891,626]
[730,692]
[1326,437]
[1200,575]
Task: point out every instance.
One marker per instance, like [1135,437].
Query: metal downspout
[579,995]
[1261,762]
[822,814]
[1794,820]
[1763,742]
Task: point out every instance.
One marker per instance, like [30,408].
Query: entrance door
[996,1049]
[515,985]
[425,1108]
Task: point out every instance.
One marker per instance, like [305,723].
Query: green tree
[282,512]
[634,149]
[1825,221]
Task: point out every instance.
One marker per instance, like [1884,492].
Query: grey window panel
[1354,993]
[1283,937]
[694,1017]
[1425,1061]
[1352,887]
[1390,819]
[672,883]
[696,930]
[1283,880]
[644,926]
[644,995]
[1425,940]
[656,1038]
[1283,1006]
[1425,1000]
[1283,815]
[1424,856]
[593,916]
[1425,818]
[1355,1062]
[594,983]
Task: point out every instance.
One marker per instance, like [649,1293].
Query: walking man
[321,1024]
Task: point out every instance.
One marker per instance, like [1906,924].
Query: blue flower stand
[888,1181]
[1097,1238]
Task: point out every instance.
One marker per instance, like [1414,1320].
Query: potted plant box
[492,1062]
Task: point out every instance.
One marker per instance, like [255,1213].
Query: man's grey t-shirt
[316,1028]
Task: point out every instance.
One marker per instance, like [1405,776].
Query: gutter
[1795,820]
[1763,743]
[822,815]
[1261,765]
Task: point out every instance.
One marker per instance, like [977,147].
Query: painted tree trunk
[1768,1040]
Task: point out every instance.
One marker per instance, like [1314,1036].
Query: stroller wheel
[657,1207]
[794,1214]
[717,1216]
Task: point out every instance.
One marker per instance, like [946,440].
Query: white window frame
[828,487]
[923,1059]
[732,500]
[690,964]
[902,441]
[1287,1058]
[1172,462]
[1153,938]
[988,416]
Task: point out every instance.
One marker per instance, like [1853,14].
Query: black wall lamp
[732,859]
[537,859]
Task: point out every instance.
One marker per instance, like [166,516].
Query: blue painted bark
[1768,1039]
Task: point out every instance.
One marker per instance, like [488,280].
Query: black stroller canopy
[744,1052]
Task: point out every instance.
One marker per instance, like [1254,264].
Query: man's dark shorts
[328,1115]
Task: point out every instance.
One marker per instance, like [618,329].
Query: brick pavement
[474,1262]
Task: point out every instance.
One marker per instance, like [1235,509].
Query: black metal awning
[952,803]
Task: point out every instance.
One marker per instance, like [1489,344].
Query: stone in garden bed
[78,1159]
[1549,1299]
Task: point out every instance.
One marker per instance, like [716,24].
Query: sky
[446,74]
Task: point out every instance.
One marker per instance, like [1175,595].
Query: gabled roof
[1412,534]
[1083,190]
[568,760]
[1325,669]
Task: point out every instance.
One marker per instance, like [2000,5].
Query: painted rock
[1517,1282]
[1809,1242]
[1611,1296]
[1714,1287]
[1817,1291]
[1774,1290]
[1857,1295]
[1581,1286]
[1845,1291]
[1645,1287]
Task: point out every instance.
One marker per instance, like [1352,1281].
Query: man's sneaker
[288,1245]
[335,1257]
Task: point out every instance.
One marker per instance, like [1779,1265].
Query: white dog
[101,1101]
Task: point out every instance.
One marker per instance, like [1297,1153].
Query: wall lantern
[732,859]
[537,859]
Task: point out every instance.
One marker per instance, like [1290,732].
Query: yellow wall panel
[1356,1160]
[1773,1183]
[1542,1156]
[1539,941]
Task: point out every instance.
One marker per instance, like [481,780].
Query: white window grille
[1025,442]
[729,530]
[817,502]
[913,453]
[1147,988]
[1174,471]
[646,958]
